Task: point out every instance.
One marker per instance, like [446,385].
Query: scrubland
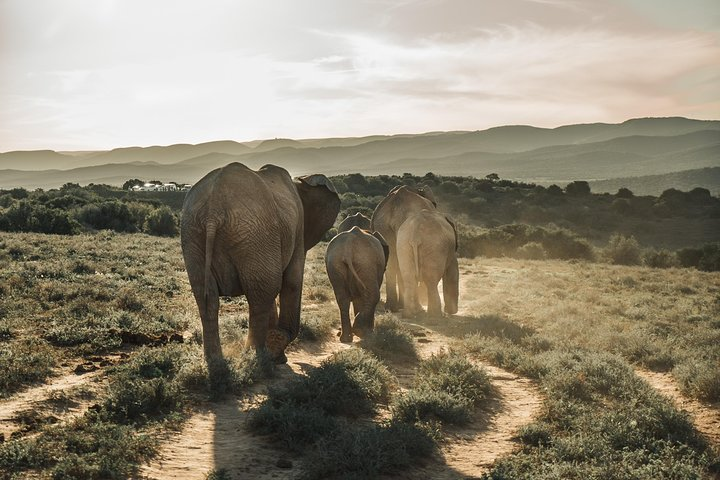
[116,312]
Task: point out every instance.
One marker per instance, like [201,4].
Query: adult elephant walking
[245,232]
[427,253]
[355,263]
[387,218]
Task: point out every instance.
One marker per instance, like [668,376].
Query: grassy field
[116,309]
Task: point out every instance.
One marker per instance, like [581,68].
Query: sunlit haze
[102,74]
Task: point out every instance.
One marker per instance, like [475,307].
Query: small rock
[424,340]
[284,463]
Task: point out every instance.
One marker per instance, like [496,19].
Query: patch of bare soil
[55,401]
[215,437]
[705,416]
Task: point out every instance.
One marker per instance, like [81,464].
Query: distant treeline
[73,209]
[497,217]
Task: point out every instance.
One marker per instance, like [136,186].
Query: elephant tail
[356,276]
[210,230]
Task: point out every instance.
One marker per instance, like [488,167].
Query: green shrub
[532,251]
[705,258]
[699,378]
[451,372]
[426,404]
[296,426]
[622,250]
[390,339]
[161,222]
[660,259]
[370,452]
[447,387]
[24,362]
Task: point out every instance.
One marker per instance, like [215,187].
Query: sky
[101,74]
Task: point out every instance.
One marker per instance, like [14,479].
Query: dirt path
[705,416]
[216,438]
[471,450]
[39,397]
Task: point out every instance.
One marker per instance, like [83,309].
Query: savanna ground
[551,369]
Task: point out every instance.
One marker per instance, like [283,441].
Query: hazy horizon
[95,76]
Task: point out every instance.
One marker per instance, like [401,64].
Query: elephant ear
[450,221]
[321,205]
[316,180]
[426,192]
[386,249]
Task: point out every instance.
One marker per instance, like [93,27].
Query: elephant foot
[362,332]
[276,342]
[346,338]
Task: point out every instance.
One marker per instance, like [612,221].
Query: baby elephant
[355,263]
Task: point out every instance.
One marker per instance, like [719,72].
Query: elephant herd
[246,232]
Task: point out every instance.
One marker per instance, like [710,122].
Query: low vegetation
[497,217]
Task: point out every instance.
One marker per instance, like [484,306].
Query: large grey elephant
[355,261]
[427,253]
[245,232]
[357,220]
[387,218]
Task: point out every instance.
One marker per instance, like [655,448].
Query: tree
[131,183]
[578,188]
[492,176]
[624,193]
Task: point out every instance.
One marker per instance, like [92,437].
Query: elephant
[357,220]
[246,232]
[388,216]
[355,262]
[427,252]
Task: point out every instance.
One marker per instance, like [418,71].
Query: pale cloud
[119,73]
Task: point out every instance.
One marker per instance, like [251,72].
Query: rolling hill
[594,152]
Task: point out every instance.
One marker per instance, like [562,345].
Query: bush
[532,251]
[370,452]
[447,388]
[622,250]
[390,339]
[578,188]
[108,215]
[161,222]
[699,378]
[706,258]
[624,193]
[660,259]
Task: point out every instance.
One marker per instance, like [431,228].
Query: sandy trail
[705,416]
[471,450]
[64,381]
[216,438]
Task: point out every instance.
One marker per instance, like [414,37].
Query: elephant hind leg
[209,306]
[262,313]
[433,299]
